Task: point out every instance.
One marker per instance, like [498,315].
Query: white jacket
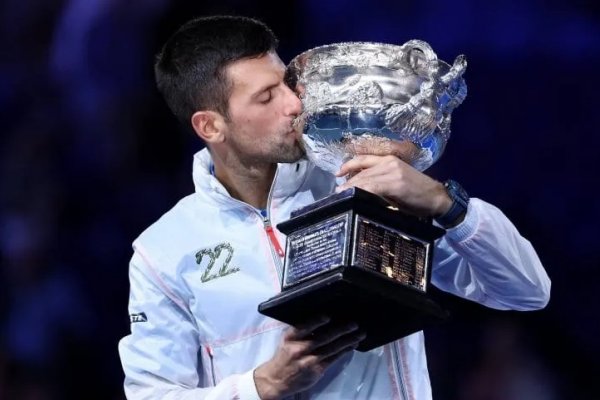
[199,272]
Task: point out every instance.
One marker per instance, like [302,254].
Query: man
[198,273]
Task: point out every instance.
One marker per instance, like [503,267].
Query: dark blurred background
[90,156]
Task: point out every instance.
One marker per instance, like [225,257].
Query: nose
[293,104]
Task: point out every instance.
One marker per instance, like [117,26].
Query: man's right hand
[303,355]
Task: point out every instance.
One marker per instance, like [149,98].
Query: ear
[209,126]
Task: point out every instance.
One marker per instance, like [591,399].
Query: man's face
[261,111]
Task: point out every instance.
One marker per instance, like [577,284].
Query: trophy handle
[424,112]
[456,88]
[413,117]
[421,58]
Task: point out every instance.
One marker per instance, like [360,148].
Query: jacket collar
[288,179]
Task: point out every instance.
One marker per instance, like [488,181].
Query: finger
[306,329]
[371,181]
[365,185]
[330,333]
[363,162]
[354,179]
[340,345]
[327,361]
[357,163]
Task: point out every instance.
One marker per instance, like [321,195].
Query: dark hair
[190,69]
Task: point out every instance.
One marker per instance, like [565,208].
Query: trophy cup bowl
[353,256]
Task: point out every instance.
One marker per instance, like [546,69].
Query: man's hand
[303,356]
[392,178]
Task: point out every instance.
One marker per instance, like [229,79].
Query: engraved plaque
[316,249]
[391,253]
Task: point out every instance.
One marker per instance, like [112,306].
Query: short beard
[291,154]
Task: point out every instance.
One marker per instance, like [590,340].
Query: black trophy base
[383,309]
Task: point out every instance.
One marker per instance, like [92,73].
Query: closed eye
[266,97]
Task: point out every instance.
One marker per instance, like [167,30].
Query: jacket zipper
[277,251]
[397,360]
[272,237]
[212,365]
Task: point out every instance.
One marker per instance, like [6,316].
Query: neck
[249,183]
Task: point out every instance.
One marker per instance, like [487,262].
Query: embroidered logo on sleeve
[139,317]
[221,256]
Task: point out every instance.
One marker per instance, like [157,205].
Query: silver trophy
[353,255]
[376,98]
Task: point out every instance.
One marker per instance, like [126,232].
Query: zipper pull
[273,238]
[212,364]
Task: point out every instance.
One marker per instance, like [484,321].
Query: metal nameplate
[391,252]
[316,249]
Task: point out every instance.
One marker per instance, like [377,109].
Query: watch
[460,202]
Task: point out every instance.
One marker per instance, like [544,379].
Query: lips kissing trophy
[353,256]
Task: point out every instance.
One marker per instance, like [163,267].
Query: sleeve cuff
[247,388]
[468,226]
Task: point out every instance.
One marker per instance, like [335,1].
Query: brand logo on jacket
[220,255]
[138,317]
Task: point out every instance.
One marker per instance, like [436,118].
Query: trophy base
[384,310]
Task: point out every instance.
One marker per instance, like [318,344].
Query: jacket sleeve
[486,260]
[161,357]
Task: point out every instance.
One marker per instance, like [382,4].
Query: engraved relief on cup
[376,98]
